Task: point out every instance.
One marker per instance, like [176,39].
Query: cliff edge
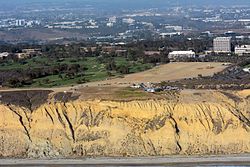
[51,125]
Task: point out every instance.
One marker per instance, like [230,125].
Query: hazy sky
[121,3]
[198,2]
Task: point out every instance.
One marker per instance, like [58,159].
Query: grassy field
[96,71]
[130,93]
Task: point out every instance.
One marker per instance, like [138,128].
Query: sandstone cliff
[189,123]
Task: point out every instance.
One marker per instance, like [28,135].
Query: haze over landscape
[125,82]
[119,4]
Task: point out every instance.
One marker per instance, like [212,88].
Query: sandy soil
[167,72]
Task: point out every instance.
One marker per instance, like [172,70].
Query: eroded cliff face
[81,128]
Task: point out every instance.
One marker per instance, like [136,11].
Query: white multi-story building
[181,54]
[243,49]
[222,45]
[20,22]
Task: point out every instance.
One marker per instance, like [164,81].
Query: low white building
[181,54]
[110,24]
[3,55]
[246,70]
[176,28]
[243,49]
[128,20]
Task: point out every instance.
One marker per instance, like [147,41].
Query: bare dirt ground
[167,72]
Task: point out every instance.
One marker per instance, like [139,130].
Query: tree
[123,69]
[111,66]
[15,82]
[82,80]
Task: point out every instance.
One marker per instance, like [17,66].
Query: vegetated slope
[231,78]
[205,122]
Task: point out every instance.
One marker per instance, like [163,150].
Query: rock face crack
[240,116]
[51,118]
[234,109]
[177,132]
[71,128]
[21,121]
[60,118]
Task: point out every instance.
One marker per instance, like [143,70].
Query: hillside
[48,124]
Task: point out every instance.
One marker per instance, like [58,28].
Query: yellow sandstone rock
[209,123]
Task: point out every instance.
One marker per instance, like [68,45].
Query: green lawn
[134,66]
[130,93]
[95,72]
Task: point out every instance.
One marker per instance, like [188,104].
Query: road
[232,160]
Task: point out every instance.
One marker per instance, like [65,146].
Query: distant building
[22,55]
[181,54]
[171,34]
[175,28]
[230,34]
[151,53]
[26,53]
[20,22]
[32,52]
[109,24]
[121,52]
[112,19]
[109,49]
[240,37]
[243,49]
[206,34]
[3,55]
[222,45]
[246,70]
[128,20]
[244,21]
[88,49]
[91,27]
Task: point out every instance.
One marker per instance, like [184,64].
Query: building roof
[182,52]
[222,38]
[243,46]
[4,54]
[151,53]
